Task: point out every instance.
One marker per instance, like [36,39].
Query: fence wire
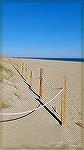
[52,85]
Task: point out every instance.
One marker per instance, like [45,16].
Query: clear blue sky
[41,30]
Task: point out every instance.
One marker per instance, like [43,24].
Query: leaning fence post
[11,61]
[63,102]
[14,62]
[41,83]
[26,72]
[23,69]
[18,65]
[20,68]
[30,79]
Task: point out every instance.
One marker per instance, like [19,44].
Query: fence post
[26,72]
[30,79]
[11,61]
[23,69]
[20,68]
[15,63]
[18,65]
[41,83]
[63,102]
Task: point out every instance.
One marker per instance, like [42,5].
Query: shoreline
[80,60]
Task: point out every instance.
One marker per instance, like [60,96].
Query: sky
[42,30]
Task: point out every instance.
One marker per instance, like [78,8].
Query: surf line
[38,99]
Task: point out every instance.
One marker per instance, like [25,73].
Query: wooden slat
[63,103]
[23,69]
[30,78]
[26,72]
[41,83]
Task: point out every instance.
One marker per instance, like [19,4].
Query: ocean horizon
[61,59]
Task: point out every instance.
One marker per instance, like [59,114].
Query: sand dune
[40,129]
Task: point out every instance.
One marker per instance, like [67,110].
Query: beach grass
[3,105]
[3,71]
[2,68]
[57,135]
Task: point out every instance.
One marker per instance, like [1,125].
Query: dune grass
[3,71]
[3,105]
[1,59]
[2,68]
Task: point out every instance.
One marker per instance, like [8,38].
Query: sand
[40,129]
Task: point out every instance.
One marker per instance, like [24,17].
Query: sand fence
[28,75]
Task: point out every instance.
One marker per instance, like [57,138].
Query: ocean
[62,59]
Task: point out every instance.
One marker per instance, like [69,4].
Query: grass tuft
[4,70]
[3,106]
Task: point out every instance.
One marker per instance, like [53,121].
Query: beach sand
[40,129]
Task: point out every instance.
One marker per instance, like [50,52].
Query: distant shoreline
[60,59]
